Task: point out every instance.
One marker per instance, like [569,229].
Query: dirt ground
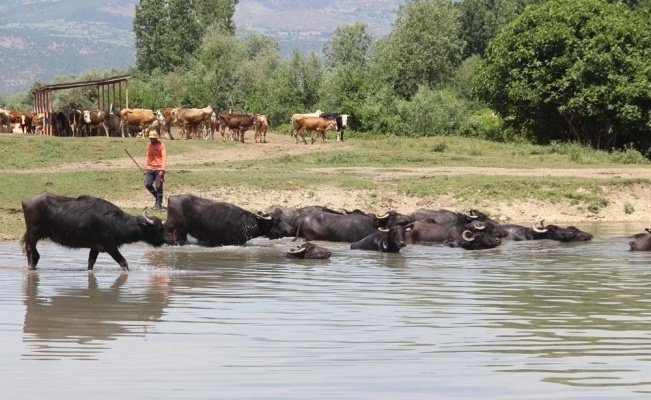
[380,200]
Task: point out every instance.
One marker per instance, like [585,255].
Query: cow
[321,225]
[166,129]
[385,241]
[94,119]
[139,118]
[113,122]
[22,119]
[555,232]
[641,241]
[191,118]
[261,126]
[317,124]
[476,241]
[216,223]
[75,120]
[341,120]
[38,122]
[309,251]
[86,222]
[60,124]
[239,123]
[5,117]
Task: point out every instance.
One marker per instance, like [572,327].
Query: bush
[485,126]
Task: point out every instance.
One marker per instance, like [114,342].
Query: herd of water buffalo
[98,225]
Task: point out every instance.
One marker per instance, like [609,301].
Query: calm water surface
[529,320]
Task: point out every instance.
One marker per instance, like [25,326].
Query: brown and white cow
[5,117]
[239,123]
[261,126]
[76,121]
[167,120]
[94,119]
[317,124]
[139,118]
[38,122]
[192,119]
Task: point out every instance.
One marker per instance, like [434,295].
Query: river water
[528,320]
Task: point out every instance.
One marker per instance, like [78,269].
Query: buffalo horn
[542,227]
[465,237]
[470,214]
[385,216]
[479,225]
[297,251]
[383,229]
[149,220]
[264,216]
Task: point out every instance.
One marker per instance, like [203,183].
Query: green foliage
[481,20]
[483,125]
[572,70]
[423,49]
[431,113]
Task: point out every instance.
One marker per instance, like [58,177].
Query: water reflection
[77,322]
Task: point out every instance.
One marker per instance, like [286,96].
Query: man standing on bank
[155,168]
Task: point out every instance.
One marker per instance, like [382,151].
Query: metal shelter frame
[106,94]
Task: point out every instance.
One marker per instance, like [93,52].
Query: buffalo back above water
[215,223]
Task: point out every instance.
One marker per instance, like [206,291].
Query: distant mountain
[42,39]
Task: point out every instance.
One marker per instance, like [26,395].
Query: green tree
[347,55]
[424,47]
[150,29]
[481,20]
[572,69]
[216,12]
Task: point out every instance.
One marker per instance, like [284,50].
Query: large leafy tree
[481,20]
[346,56]
[424,47]
[169,32]
[572,69]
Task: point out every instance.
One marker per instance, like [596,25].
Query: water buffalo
[309,251]
[641,241]
[476,241]
[86,222]
[555,232]
[320,225]
[216,223]
[290,218]
[386,240]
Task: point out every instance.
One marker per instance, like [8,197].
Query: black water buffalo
[476,241]
[320,225]
[216,223]
[86,222]
[386,240]
[309,251]
[290,218]
[518,232]
[445,216]
[641,241]
[555,232]
[429,231]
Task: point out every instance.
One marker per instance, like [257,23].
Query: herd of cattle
[98,225]
[194,123]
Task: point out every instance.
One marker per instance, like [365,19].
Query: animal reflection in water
[74,322]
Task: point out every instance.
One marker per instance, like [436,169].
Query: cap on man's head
[153,135]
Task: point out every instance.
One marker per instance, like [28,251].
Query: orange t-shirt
[156,156]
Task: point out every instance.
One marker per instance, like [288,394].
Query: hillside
[42,39]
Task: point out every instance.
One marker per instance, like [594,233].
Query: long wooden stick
[135,161]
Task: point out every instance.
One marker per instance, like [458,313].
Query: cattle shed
[109,91]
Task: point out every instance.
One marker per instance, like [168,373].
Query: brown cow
[38,123]
[261,126]
[192,118]
[76,120]
[137,117]
[239,123]
[166,128]
[5,117]
[94,119]
[320,125]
